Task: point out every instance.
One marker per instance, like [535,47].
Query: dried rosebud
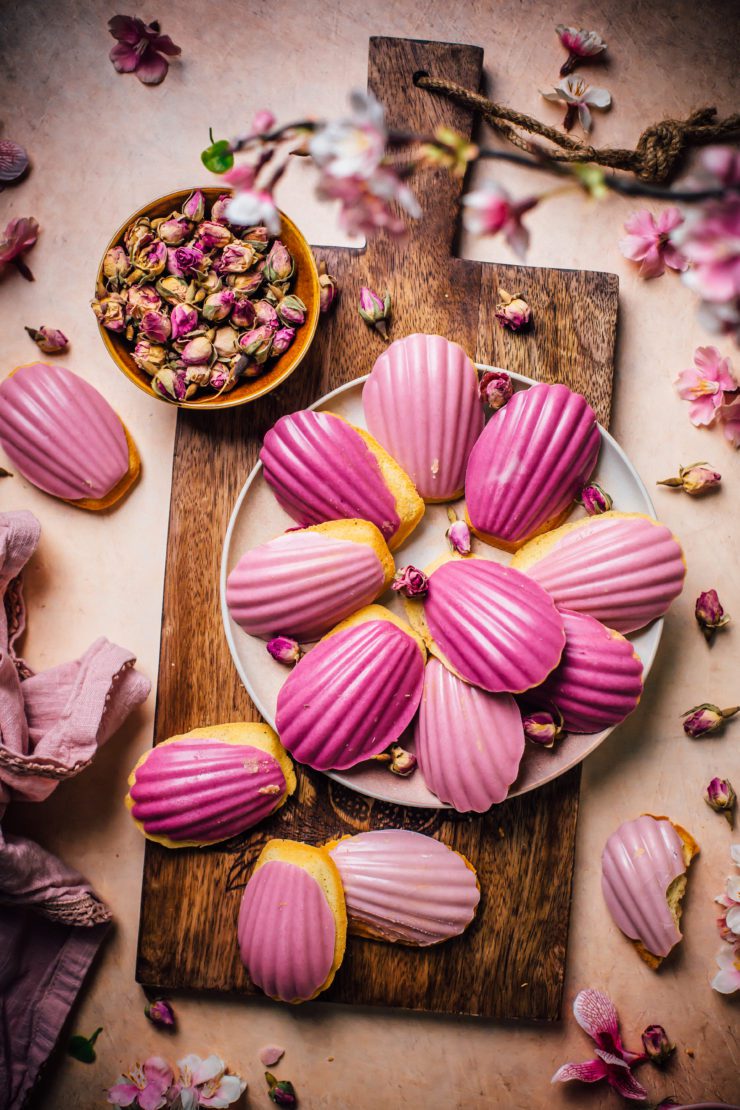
[458,534]
[705,718]
[194,207]
[282,340]
[720,796]
[197,351]
[694,479]
[49,340]
[160,1012]
[579,44]
[149,260]
[281,1092]
[595,500]
[172,289]
[211,234]
[149,357]
[110,311]
[186,261]
[199,376]
[257,343]
[495,389]
[374,310]
[219,206]
[543,727]
[411,582]
[156,326]
[226,342]
[210,282]
[174,231]
[143,299]
[115,264]
[170,384]
[221,379]
[327,288]
[284,650]
[658,1047]
[237,258]
[512,312]
[218,305]
[291,310]
[279,264]
[13,160]
[183,320]
[709,614]
[243,313]
[265,313]
[138,234]
[402,763]
[258,236]
[245,285]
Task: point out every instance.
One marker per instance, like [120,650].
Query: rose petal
[590,1071]
[165,45]
[271,1054]
[152,68]
[127,28]
[124,57]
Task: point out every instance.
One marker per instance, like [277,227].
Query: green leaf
[591,179]
[81,1048]
[218,157]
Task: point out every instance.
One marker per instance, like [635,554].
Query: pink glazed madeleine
[643,878]
[293,921]
[531,462]
[64,437]
[304,582]
[625,569]
[488,624]
[421,403]
[404,887]
[469,743]
[209,784]
[354,693]
[320,467]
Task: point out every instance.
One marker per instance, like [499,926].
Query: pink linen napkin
[51,725]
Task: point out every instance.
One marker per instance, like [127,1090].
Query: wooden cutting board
[511,963]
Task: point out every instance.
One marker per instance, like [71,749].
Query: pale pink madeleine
[209,784]
[354,693]
[469,743]
[421,403]
[625,569]
[304,582]
[63,436]
[530,463]
[490,624]
[643,876]
[321,468]
[598,681]
[292,921]
[404,887]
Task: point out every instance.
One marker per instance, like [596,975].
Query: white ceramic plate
[257,517]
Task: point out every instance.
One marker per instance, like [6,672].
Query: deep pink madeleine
[639,863]
[352,695]
[490,625]
[421,403]
[532,460]
[469,743]
[61,434]
[625,569]
[404,887]
[598,681]
[303,583]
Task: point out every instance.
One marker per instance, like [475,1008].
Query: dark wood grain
[511,963]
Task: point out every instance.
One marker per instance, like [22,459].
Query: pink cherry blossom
[648,242]
[141,48]
[729,415]
[710,240]
[367,203]
[722,163]
[352,146]
[488,210]
[147,1085]
[579,97]
[727,979]
[579,44]
[250,207]
[704,385]
[597,1015]
[206,1083]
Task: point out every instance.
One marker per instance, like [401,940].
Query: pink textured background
[103,144]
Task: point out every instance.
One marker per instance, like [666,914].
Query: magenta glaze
[532,460]
[640,861]
[409,888]
[598,681]
[469,743]
[491,626]
[421,403]
[351,696]
[205,790]
[286,932]
[60,433]
[302,584]
[320,468]
[625,570]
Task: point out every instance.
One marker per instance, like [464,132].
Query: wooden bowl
[305,286]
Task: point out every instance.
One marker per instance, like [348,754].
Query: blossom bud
[49,340]
[709,614]
[374,311]
[186,261]
[495,389]
[721,797]
[194,207]
[282,340]
[170,384]
[265,313]
[512,312]
[226,342]
[257,343]
[694,479]
[174,231]
[262,122]
[211,234]
[243,314]
[279,265]
[327,288]
[244,285]
[143,299]
[173,289]
[658,1047]
[183,319]
[458,534]
[149,260]
[110,311]
[197,351]
[156,326]
[160,1012]
[705,718]
[149,357]
[221,379]
[281,1092]
[543,727]
[219,206]
[402,763]
[291,310]
[595,500]
[411,582]
[284,650]
[218,305]
[115,264]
